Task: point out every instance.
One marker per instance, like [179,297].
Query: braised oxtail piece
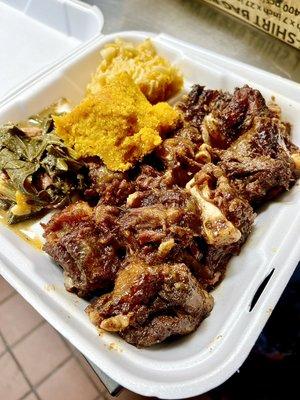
[161,226]
[227,220]
[222,117]
[245,137]
[163,232]
[263,162]
[86,244]
[151,303]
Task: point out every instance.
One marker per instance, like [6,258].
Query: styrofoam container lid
[36,35]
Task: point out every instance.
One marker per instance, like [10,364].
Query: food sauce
[22,229]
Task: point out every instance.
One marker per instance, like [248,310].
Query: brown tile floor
[36,363]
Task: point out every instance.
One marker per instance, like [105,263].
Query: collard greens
[36,166]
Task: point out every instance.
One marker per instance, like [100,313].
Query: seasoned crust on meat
[246,138]
[175,220]
[86,245]
[150,303]
[221,117]
[178,156]
[111,187]
[160,224]
[260,163]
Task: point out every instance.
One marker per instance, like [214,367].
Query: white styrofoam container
[203,360]
[39,34]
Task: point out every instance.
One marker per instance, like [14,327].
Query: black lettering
[266,25]
[273,28]
[246,14]
[267,11]
[285,20]
[281,34]
[291,38]
[236,9]
[256,21]
[226,5]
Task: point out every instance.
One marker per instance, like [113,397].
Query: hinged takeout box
[203,360]
[37,35]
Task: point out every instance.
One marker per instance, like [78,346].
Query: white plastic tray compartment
[203,360]
[36,34]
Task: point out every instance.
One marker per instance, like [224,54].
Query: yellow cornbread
[153,74]
[118,124]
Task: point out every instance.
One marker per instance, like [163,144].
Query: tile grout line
[19,366]
[14,293]
[90,379]
[8,348]
[25,395]
[37,385]
[74,350]
[66,342]
[13,345]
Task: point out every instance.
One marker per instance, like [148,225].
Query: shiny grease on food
[151,303]
[170,193]
[177,217]
[37,170]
